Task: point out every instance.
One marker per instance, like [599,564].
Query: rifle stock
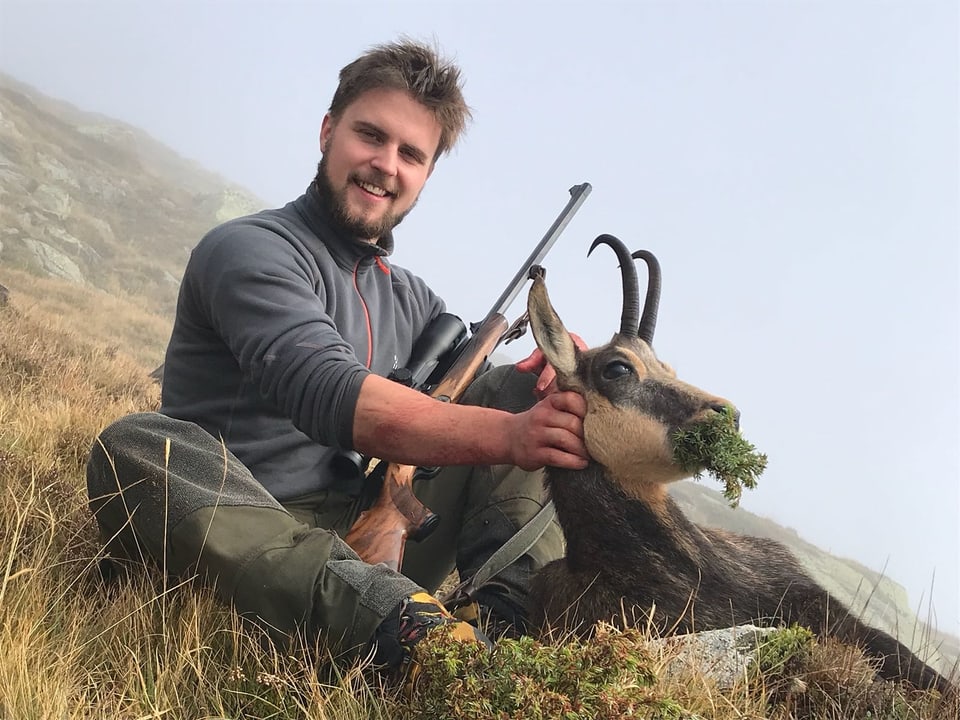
[380,533]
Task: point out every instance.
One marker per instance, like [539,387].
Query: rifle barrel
[578,193]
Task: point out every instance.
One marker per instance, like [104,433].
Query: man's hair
[415,68]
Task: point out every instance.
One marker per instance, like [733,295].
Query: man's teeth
[379,191]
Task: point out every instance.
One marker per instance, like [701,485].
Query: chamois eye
[615,369]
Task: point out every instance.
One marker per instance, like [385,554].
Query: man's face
[376,158]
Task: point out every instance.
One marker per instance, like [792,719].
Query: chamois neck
[599,518]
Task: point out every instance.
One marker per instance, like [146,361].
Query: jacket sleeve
[260,294]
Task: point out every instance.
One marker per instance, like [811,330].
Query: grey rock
[724,655]
[9,128]
[53,262]
[56,170]
[12,182]
[234,203]
[102,229]
[59,234]
[53,200]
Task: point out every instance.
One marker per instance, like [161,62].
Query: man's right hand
[550,433]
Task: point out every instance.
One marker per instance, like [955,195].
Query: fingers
[546,383]
[534,362]
[569,402]
[537,363]
[551,433]
[579,341]
[566,450]
[568,461]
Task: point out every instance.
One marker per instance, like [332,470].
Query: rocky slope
[93,200]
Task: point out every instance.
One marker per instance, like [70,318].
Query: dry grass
[75,646]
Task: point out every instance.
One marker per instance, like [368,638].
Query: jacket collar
[347,251]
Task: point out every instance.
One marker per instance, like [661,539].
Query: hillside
[882,601]
[101,205]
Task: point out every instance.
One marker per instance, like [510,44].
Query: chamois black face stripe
[668,405]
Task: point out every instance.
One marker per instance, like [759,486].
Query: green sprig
[716,446]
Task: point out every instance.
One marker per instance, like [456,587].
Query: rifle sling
[508,553]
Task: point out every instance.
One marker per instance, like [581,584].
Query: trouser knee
[502,388]
[146,472]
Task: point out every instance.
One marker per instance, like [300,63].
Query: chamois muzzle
[726,407]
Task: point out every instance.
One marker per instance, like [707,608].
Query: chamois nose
[723,407]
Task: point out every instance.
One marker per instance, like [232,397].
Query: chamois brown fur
[632,555]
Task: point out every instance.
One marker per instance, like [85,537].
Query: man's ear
[326,130]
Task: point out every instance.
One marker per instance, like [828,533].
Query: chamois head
[634,401]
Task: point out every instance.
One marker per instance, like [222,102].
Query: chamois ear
[551,336]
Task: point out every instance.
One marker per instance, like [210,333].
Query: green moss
[785,651]
[606,678]
[716,446]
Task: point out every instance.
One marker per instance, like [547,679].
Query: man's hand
[550,433]
[537,363]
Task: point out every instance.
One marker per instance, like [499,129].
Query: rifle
[442,354]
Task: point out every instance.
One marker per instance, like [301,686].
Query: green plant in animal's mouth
[717,447]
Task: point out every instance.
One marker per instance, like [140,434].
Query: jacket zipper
[363,303]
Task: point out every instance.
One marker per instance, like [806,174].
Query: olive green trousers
[166,493]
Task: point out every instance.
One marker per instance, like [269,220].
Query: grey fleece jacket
[278,322]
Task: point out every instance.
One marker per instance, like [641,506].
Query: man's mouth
[373,189]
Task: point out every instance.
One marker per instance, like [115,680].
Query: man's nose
[386,160]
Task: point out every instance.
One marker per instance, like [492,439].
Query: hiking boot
[415,616]
[499,614]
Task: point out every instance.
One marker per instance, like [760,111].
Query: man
[287,323]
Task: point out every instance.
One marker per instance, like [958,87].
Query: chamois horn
[651,303]
[631,292]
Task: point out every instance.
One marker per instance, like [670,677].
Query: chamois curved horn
[648,323]
[631,291]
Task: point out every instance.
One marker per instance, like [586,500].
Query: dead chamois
[629,546]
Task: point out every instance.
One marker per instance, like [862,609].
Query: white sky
[794,165]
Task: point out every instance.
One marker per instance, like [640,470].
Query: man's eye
[615,369]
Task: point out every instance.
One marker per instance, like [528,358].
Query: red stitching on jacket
[366,314]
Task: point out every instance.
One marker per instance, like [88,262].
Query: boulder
[53,262]
[723,655]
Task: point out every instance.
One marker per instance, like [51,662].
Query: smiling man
[288,323]
[377,155]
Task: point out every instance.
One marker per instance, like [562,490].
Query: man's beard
[336,204]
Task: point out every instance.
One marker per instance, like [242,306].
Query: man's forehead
[387,101]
